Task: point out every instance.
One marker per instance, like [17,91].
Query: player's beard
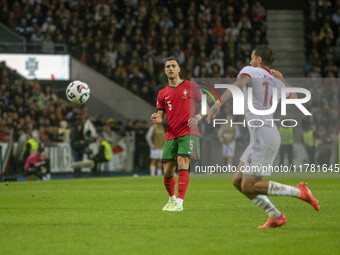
[172,76]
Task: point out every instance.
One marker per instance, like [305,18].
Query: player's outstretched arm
[157,117]
[214,110]
[278,74]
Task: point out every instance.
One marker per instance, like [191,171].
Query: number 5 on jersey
[169,105]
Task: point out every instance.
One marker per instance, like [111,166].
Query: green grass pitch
[123,216]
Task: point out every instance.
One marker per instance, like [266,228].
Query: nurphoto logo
[239,105]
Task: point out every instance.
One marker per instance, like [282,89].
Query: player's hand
[154,118]
[193,122]
[276,74]
[213,111]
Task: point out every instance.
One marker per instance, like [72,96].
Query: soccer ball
[78,92]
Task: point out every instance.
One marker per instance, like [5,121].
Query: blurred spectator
[287,140]
[309,141]
[142,151]
[110,136]
[99,123]
[37,164]
[89,129]
[104,154]
[315,73]
[48,26]
[30,147]
[64,132]
[227,135]
[37,38]
[155,138]
[78,146]
[48,45]
[324,149]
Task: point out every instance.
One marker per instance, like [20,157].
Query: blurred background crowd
[129,40]
[322,41]
[322,44]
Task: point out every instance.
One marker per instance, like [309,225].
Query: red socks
[169,184]
[183,181]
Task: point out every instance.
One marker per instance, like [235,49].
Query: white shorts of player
[156,153]
[264,144]
[228,150]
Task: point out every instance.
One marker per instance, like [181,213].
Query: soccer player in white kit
[264,141]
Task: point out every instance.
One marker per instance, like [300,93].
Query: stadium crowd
[128,41]
[28,108]
[322,37]
[322,66]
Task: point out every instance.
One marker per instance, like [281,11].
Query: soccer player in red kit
[178,102]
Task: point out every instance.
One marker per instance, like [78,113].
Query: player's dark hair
[170,59]
[266,53]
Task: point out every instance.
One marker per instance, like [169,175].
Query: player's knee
[247,188]
[237,183]
[167,174]
[182,163]
[182,166]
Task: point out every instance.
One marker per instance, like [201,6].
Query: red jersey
[179,105]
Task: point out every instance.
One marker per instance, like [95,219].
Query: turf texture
[124,215]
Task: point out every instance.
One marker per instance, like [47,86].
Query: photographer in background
[38,164]
[104,154]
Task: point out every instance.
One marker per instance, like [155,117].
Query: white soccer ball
[78,92]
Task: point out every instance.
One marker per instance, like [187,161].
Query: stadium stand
[28,107]
[128,41]
[322,44]
[322,20]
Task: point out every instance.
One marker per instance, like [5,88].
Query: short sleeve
[247,70]
[160,101]
[197,93]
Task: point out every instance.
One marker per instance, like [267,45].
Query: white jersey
[262,84]
[264,141]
